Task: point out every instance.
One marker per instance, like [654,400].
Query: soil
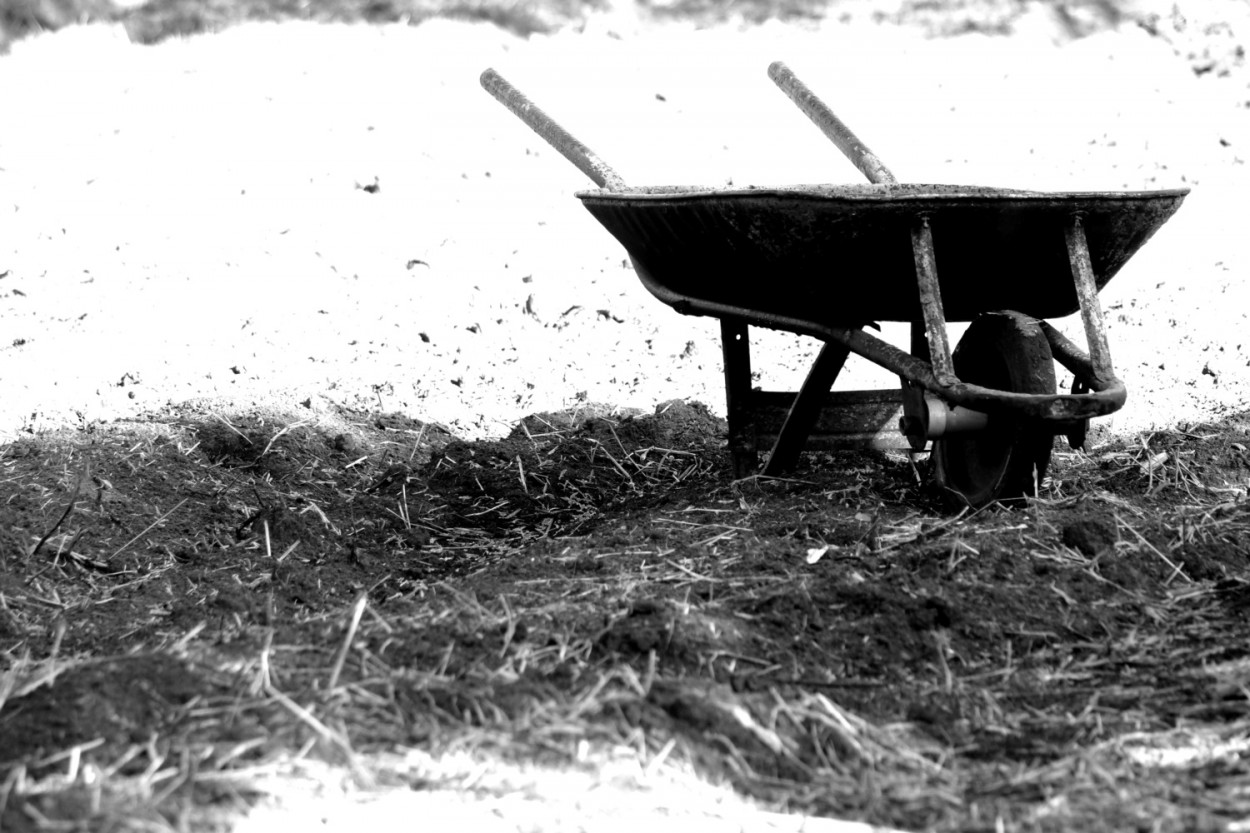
[425,532]
[159,558]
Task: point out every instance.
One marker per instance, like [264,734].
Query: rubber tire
[1004,462]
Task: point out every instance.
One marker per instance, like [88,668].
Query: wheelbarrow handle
[555,135]
[921,235]
[830,125]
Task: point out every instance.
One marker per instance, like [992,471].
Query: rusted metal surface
[829,124]
[931,300]
[1078,363]
[1076,360]
[859,418]
[805,408]
[583,157]
[1087,294]
[1057,408]
[844,253]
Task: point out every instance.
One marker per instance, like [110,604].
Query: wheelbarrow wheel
[1006,460]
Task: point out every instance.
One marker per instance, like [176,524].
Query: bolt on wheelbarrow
[830,261]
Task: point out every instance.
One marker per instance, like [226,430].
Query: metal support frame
[929,366]
[736,348]
[1106,397]
[1087,297]
[931,302]
[806,408]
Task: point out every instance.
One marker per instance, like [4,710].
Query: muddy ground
[238,592]
[422,572]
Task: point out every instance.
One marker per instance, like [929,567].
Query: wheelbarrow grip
[555,135]
[830,125]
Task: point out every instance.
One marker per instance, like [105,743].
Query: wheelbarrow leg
[1087,295]
[736,347]
[939,348]
[806,408]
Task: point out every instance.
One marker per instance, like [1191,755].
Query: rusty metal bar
[1078,363]
[806,407]
[1067,353]
[830,125]
[570,148]
[1087,295]
[1106,398]
[931,301]
[736,348]
[846,419]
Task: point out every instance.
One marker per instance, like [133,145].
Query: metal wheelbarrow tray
[829,260]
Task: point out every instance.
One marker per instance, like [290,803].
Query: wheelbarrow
[830,261]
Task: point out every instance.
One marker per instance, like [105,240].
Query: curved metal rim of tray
[1107,395]
[901,192]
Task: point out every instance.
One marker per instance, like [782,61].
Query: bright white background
[187,223]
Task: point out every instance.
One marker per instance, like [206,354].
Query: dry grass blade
[69,508]
[358,609]
[148,528]
[990,658]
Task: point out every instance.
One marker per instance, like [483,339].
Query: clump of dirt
[672,632]
[555,473]
[110,703]
[601,575]
[1092,535]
